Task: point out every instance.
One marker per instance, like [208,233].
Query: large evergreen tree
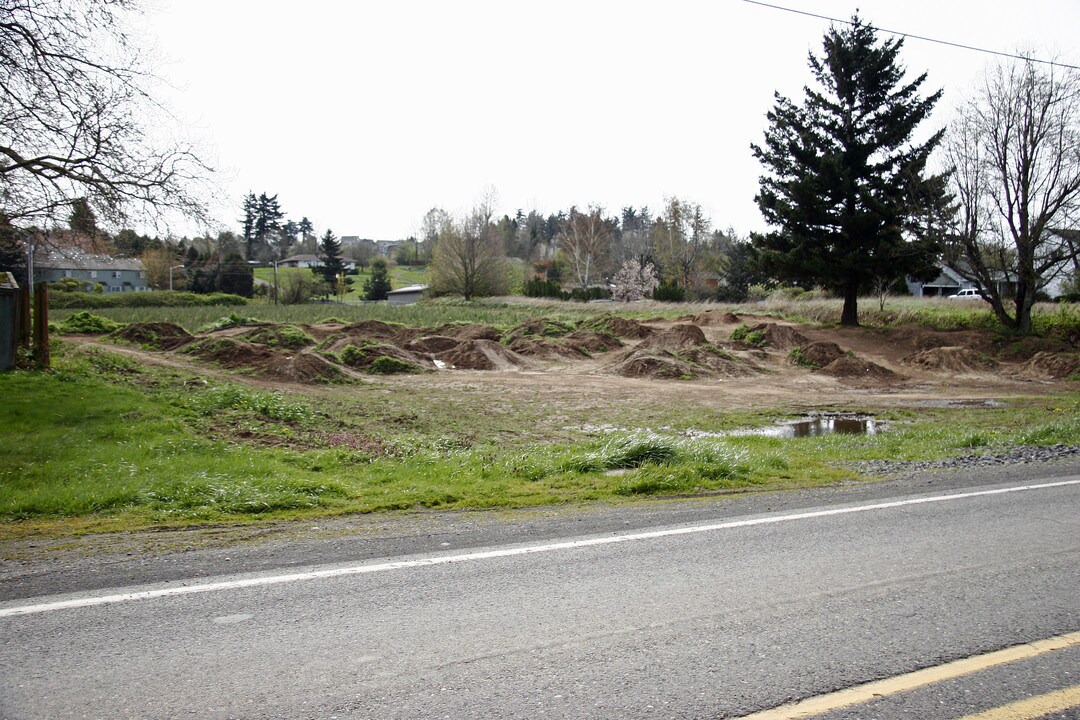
[332,265]
[846,187]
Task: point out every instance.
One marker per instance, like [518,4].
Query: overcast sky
[364,115]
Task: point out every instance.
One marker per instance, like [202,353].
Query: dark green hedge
[151,298]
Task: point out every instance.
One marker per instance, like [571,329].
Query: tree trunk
[850,315]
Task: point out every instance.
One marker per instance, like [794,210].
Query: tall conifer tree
[846,186]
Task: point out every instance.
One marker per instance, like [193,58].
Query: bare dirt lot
[615,361]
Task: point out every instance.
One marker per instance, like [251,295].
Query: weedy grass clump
[233,319]
[84,322]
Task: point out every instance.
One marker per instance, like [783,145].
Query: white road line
[489,554]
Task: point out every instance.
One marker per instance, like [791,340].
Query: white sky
[364,115]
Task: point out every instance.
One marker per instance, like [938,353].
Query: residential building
[113,274]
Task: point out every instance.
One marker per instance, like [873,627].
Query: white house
[312,261]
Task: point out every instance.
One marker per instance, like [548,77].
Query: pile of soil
[1027,348]
[466,331]
[859,370]
[375,330]
[159,336]
[300,368]
[730,318]
[1052,365]
[483,355]
[537,327]
[679,337]
[230,353]
[278,336]
[431,344]
[821,354]
[954,359]
[591,341]
[639,364]
[542,348]
[780,337]
[363,357]
[619,327]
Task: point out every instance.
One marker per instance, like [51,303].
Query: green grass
[400,276]
[103,442]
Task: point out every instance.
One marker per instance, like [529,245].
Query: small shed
[406,295]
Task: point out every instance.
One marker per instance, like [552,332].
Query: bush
[151,298]
[230,320]
[543,288]
[84,322]
[669,292]
[391,366]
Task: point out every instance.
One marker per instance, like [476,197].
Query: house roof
[302,258]
[409,289]
[74,259]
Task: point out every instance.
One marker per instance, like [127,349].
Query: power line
[917,37]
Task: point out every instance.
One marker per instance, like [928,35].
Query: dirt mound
[730,318]
[543,348]
[1026,348]
[591,341]
[1055,366]
[482,355]
[619,327]
[231,353]
[431,344]
[375,330]
[780,337]
[859,370]
[908,340]
[684,363]
[644,364]
[820,354]
[369,358]
[955,359]
[538,327]
[299,368]
[159,336]
[467,331]
[679,337]
[286,337]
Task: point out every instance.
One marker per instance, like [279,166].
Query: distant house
[305,261]
[948,282]
[312,261]
[386,248]
[406,295]
[113,274]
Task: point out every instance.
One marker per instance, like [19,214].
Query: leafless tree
[585,241]
[469,259]
[77,118]
[682,237]
[1016,152]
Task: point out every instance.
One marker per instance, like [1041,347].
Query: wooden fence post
[41,325]
[22,322]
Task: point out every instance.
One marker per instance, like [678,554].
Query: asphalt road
[717,615]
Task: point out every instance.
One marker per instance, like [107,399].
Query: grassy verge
[103,443]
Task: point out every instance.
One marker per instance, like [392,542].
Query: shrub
[153,298]
[669,292]
[391,366]
[84,322]
[230,320]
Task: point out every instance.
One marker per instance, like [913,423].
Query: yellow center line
[909,681]
[1032,708]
